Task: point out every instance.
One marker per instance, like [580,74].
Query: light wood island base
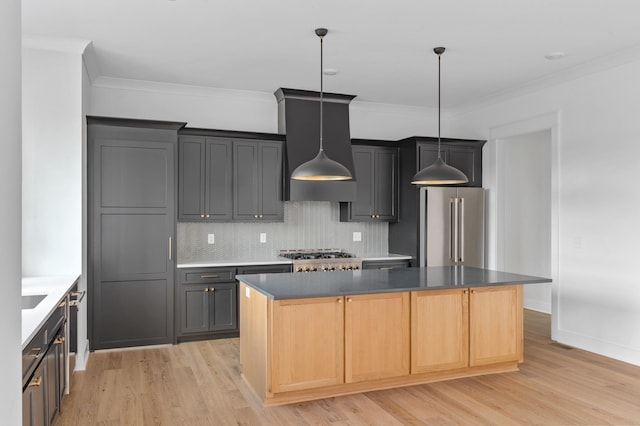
[306,349]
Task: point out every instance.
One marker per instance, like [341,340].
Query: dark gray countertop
[343,283]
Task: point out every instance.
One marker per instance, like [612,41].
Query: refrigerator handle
[452,227]
[461,232]
[456,230]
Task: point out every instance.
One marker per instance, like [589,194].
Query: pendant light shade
[439,173]
[321,167]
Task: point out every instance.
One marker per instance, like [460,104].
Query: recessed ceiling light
[552,56]
[330,71]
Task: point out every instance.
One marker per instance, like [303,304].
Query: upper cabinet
[257,177]
[229,176]
[376,174]
[205,179]
[464,155]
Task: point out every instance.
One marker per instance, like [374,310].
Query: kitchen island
[318,335]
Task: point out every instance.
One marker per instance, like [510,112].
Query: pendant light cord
[321,91]
[439,56]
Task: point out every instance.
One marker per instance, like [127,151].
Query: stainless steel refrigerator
[451,227]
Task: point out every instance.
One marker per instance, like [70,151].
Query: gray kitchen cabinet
[385,264]
[376,173]
[465,156]
[132,221]
[208,303]
[209,307]
[34,397]
[257,181]
[44,370]
[205,187]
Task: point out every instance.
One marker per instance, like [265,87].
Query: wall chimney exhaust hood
[298,119]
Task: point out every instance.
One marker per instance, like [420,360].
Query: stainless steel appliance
[322,260]
[451,226]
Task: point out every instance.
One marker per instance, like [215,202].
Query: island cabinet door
[439,330]
[376,336]
[307,343]
[495,325]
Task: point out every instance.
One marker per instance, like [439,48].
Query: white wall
[10,188]
[596,291]
[52,162]
[525,226]
[246,111]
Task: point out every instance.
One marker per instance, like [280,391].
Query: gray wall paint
[307,225]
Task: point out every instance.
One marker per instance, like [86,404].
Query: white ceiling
[382,49]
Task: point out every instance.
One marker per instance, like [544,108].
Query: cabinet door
[195,309]
[428,153]
[495,325]
[223,299]
[386,184]
[34,411]
[245,180]
[271,206]
[307,343]
[218,194]
[376,336]
[468,161]
[191,202]
[439,330]
[362,209]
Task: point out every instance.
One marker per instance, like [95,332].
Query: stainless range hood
[299,120]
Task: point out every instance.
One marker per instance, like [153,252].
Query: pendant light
[321,167]
[439,173]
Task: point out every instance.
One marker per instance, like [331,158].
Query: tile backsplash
[307,225]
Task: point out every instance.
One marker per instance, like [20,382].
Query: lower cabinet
[34,397]
[308,343]
[209,307]
[495,325]
[462,328]
[376,336]
[304,349]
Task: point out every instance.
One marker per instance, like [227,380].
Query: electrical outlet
[263,237]
[357,236]
[211,238]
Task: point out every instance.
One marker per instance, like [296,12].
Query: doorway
[524,218]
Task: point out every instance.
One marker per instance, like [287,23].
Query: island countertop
[344,283]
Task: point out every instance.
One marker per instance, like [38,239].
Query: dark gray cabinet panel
[205,187]
[34,397]
[385,264]
[132,228]
[466,158]
[376,171]
[257,181]
[209,307]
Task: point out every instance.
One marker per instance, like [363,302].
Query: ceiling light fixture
[321,167]
[439,173]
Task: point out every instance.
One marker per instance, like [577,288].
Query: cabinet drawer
[32,355]
[263,269]
[384,264]
[207,275]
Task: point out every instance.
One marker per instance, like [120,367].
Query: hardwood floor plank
[200,383]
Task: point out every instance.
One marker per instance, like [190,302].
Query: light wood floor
[199,384]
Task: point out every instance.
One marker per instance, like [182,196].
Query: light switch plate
[211,238]
[263,237]
[357,236]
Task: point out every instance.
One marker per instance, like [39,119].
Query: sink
[32,300]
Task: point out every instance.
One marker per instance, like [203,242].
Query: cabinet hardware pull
[255,216]
[212,289]
[349,300]
[385,267]
[206,289]
[465,292]
[202,216]
[209,276]
[170,249]
[339,300]
[58,341]
[473,292]
[36,382]
[78,295]
[207,216]
[35,353]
